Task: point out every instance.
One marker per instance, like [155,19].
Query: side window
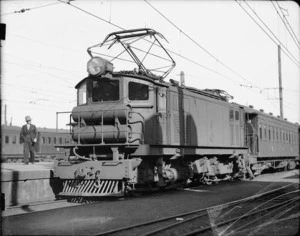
[43,140]
[137,91]
[14,140]
[237,115]
[231,115]
[54,140]
[49,140]
[260,132]
[60,140]
[6,139]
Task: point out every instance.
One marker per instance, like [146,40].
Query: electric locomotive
[133,131]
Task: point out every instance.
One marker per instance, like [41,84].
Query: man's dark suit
[28,136]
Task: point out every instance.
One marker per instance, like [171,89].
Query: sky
[215,43]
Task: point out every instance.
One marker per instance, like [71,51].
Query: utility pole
[280,82]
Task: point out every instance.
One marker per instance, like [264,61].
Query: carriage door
[251,133]
[161,128]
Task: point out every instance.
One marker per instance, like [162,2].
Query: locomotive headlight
[99,66]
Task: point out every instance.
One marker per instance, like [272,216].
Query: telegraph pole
[280,82]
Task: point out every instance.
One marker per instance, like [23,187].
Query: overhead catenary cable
[200,46]
[109,22]
[279,42]
[28,9]
[185,58]
[292,59]
[284,23]
[123,29]
[296,38]
[204,49]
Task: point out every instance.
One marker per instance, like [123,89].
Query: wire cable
[271,31]
[185,58]
[210,54]
[280,8]
[296,63]
[297,43]
[28,9]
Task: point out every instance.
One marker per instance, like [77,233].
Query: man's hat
[27,118]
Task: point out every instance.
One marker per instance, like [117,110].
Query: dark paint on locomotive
[143,133]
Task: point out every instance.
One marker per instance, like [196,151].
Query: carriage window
[105,90]
[138,91]
[43,140]
[6,139]
[82,94]
[14,140]
[49,140]
[237,115]
[260,132]
[54,141]
[60,140]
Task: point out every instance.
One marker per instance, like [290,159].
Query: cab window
[105,90]
[137,91]
[82,94]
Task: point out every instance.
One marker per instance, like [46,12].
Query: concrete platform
[23,184]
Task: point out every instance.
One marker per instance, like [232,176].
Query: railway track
[231,218]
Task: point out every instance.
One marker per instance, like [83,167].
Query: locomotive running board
[92,188]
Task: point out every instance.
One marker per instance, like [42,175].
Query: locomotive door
[161,127]
[236,126]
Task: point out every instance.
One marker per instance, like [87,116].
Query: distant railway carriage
[12,148]
[133,131]
[273,141]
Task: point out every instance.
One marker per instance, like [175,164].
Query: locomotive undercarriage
[112,171]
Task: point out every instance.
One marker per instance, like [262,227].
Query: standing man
[29,137]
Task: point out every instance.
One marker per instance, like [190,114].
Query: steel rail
[191,212]
[271,212]
[199,216]
[243,232]
[195,232]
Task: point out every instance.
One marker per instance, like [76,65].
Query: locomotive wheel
[291,165]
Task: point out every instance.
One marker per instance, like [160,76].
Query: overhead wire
[109,22]
[185,58]
[297,43]
[280,8]
[28,9]
[291,57]
[168,50]
[202,47]
[199,45]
